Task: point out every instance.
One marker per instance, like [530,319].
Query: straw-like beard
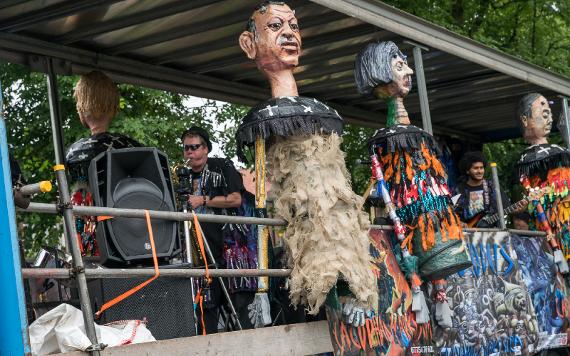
[327,232]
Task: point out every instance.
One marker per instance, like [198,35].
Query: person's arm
[234,187]
[232,200]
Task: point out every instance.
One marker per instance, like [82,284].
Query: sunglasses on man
[192,147]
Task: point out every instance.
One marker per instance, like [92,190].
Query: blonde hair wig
[96,95]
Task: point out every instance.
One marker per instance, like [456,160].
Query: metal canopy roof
[192,47]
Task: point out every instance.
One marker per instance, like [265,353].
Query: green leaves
[537,31]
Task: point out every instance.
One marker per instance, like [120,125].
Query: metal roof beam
[416,29]
[231,40]
[134,72]
[165,10]
[342,63]
[9,3]
[50,13]
[316,57]
[182,31]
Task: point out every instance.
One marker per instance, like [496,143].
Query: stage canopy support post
[422,87]
[65,201]
[566,118]
[498,197]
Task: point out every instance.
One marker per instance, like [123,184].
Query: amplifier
[165,303]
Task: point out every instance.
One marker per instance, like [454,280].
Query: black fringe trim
[539,166]
[289,120]
[403,137]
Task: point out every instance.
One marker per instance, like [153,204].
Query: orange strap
[80,243]
[200,298]
[199,295]
[143,284]
[201,245]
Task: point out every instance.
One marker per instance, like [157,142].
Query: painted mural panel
[392,329]
[511,302]
[547,289]
[492,309]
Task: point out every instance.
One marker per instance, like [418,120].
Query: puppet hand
[354,313]
[259,313]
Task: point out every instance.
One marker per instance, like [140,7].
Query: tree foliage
[537,31]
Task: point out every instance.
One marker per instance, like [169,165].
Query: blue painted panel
[13,325]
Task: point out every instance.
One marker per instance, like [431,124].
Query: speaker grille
[134,178]
[165,303]
[132,193]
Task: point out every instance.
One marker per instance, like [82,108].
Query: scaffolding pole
[498,196]
[66,210]
[422,86]
[97,273]
[154,214]
[566,118]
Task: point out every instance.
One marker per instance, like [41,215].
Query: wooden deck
[296,339]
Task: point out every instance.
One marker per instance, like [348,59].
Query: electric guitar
[483,220]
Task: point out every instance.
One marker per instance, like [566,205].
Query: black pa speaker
[165,303]
[133,178]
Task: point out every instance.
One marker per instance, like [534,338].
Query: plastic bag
[62,330]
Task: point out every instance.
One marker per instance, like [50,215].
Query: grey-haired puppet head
[382,64]
[272,37]
[534,118]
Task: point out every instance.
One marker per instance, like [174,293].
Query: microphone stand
[185,185]
[210,256]
[189,259]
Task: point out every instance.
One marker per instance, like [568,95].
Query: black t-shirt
[219,178]
[474,200]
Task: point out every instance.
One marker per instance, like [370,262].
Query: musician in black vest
[477,194]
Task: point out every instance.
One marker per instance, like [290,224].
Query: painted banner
[392,329]
[511,301]
[492,311]
[547,289]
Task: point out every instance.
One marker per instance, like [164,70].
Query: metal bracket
[96,347]
[74,271]
[63,206]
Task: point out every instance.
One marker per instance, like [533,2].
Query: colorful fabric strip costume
[547,167]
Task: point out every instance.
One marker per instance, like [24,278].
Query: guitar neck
[491,219]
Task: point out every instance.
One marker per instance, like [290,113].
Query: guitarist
[477,194]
